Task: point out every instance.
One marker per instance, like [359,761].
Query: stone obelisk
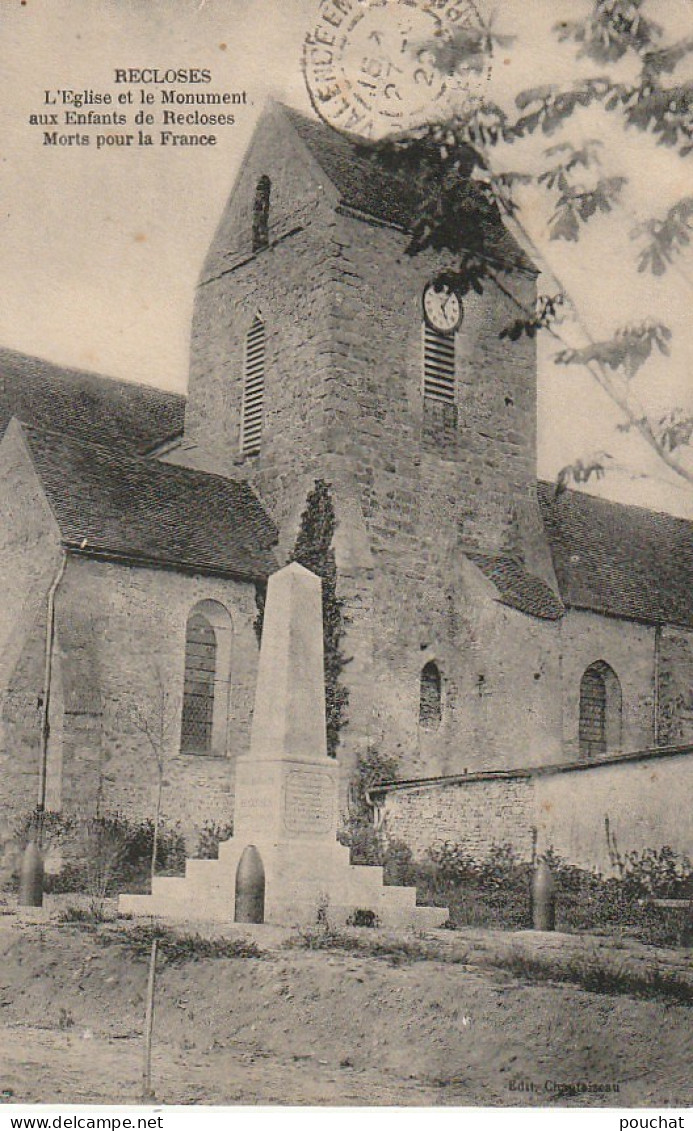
[286,786]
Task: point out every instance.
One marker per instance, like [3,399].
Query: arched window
[261,207]
[198,686]
[207,680]
[600,710]
[430,696]
[253,388]
[438,365]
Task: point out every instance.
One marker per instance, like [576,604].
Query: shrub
[657,874]
[363,917]
[110,853]
[398,864]
[358,832]
[73,913]
[53,828]
[494,892]
[210,836]
[176,947]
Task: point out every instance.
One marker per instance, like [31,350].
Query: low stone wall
[639,802]
[631,802]
[479,811]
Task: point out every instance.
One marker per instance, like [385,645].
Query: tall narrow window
[253,388]
[261,207]
[198,688]
[600,710]
[439,365]
[430,696]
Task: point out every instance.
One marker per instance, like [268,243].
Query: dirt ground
[297,1026]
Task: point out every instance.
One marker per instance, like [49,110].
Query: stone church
[496,633]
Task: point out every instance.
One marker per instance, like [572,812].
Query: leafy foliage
[546,312]
[210,836]
[666,237]
[53,828]
[627,351]
[547,108]
[467,46]
[110,853]
[582,470]
[656,873]
[576,205]
[599,976]
[675,429]
[396,951]
[642,79]
[359,833]
[611,30]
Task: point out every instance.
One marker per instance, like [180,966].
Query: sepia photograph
[346,555]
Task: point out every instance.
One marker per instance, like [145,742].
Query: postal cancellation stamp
[370,65]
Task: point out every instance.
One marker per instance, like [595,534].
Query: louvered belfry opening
[253,388]
[198,688]
[430,696]
[439,365]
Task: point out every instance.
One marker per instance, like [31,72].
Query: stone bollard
[250,887]
[31,877]
[543,898]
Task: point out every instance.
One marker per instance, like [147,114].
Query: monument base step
[294,895]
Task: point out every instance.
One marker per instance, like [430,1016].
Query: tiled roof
[121,507]
[116,413]
[518,588]
[367,185]
[620,560]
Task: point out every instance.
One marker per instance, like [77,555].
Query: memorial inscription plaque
[309,803]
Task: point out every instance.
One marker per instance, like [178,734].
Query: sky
[100,251]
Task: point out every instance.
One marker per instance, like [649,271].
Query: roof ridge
[125,455]
[76,371]
[573,493]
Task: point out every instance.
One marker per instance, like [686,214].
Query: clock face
[442,307]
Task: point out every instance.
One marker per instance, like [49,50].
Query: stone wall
[479,813]
[129,654]
[646,802]
[629,649]
[30,558]
[287,283]
[643,802]
[675,689]
[118,663]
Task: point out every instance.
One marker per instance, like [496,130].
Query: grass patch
[593,974]
[74,913]
[395,951]
[589,972]
[176,948]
